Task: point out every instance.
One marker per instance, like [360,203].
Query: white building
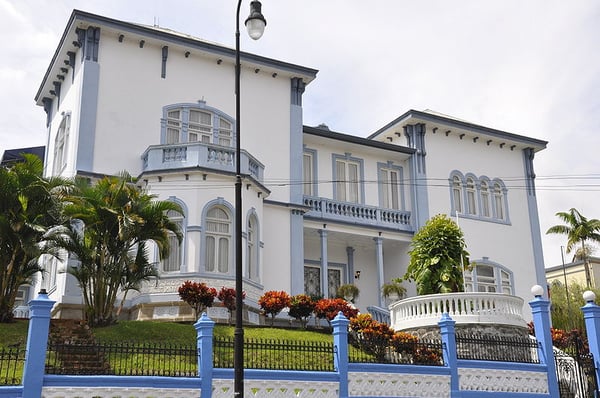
[321,208]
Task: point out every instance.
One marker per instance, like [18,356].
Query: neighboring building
[574,272]
[11,156]
[321,208]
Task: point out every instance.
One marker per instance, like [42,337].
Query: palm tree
[29,206]
[578,230]
[112,223]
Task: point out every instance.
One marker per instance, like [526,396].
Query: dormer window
[183,123]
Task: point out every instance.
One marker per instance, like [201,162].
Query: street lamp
[255,23]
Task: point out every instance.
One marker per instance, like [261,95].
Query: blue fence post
[540,309]
[447,332]
[37,344]
[591,315]
[340,359]
[204,328]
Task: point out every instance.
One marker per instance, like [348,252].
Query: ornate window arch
[490,277]
[471,195]
[217,237]
[252,247]
[175,261]
[196,122]
[457,182]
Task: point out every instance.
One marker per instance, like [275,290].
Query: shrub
[329,308]
[301,307]
[198,295]
[227,296]
[273,301]
[371,336]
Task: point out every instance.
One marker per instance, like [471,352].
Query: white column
[324,284]
[379,262]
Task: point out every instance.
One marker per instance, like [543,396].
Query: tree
[579,230]
[29,206]
[272,302]
[329,308]
[198,295]
[438,257]
[566,305]
[111,223]
[227,296]
[301,307]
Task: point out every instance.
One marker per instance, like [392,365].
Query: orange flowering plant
[198,295]
[329,308]
[371,336]
[227,296]
[272,302]
[301,307]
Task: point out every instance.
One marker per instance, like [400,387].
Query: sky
[527,67]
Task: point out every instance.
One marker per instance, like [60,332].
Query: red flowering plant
[404,343]
[273,301]
[301,307]
[371,336]
[227,296]
[198,295]
[329,308]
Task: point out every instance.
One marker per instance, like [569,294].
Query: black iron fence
[123,359]
[497,348]
[12,361]
[275,354]
[381,349]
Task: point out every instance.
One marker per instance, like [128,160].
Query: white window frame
[501,281]
[61,144]
[216,129]
[253,248]
[391,186]
[221,260]
[347,187]
[173,262]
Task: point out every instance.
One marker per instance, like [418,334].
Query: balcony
[200,155]
[465,307]
[354,213]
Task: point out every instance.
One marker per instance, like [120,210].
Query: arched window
[173,261]
[489,277]
[253,248]
[471,204]
[218,238]
[498,201]
[457,194]
[196,123]
[485,199]
[61,142]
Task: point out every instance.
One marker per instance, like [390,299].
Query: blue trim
[87,117]
[380,271]
[350,255]
[249,215]
[347,157]
[415,136]
[296,252]
[324,264]
[219,202]
[163,64]
[296,137]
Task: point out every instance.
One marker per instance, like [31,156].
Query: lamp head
[537,291]
[256,22]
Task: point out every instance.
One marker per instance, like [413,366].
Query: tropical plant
[329,308]
[438,257]
[112,223]
[393,289]
[579,229]
[227,296]
[29,206]
[301,307]
[371,336]
[272,302]
[348,292]
[198,295]
[566,304]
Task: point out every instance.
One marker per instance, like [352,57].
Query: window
[252,250]
[61,144]
[312,280]
[390,188]
[498,201]
[471,204]
[22,297]
[457,194]
[218,237]
[347,180]
[485,199]
[196,123]
[307,173]
[173,261]
[489,278]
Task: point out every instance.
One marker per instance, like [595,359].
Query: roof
[11,156]
[80,19]
[433,117]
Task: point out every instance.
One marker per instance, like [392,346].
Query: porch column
[350,253]
[379,261]
[324,283]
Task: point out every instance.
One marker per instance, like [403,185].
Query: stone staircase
[75,349]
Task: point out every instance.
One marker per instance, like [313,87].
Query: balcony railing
[354,213]
[199,154]
[486,308]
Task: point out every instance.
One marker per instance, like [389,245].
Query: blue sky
[527,67]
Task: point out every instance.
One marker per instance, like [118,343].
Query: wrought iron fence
[12,361]
[123,359]
[381,349]
[497,348]
[275,354]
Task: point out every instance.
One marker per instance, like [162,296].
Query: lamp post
[255,23]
